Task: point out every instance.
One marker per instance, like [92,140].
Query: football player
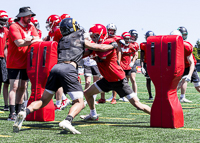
[190,73]
[113,75]
[63,16]
[143,63]
[37,26]
[71,48]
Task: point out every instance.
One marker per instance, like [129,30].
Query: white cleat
[66,125]
[65,103]
[184,100]
[109,99]
[90,117]
[124,99]
[18,121]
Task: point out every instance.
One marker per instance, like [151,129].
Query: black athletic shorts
[63,75]
[91,70]
[127,72]
[121,87]
[195,76]
[146,74]
[17,74]
[134,69]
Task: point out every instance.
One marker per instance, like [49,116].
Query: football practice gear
[134,35]
[35,22]
[3,18]
[63,16]
[98,33]
[68,25]
[126,36]
[149,33]
[52,21]
[176,32]
[10,21]
[143,71]
[183,31]
[111,29]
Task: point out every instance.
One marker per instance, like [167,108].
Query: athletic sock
[58,102]
[93,112]
[182,96]
[63,96]
[69,118]
[12,109]
[27,111]
[94,96]
[18,108]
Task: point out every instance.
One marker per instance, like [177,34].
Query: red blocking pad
[42,56]
[165,66]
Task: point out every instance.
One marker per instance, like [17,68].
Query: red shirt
[127,51]
[39,33]
[188,48]
[143,47]
[3,38]
[109,67]
[17,56]
[55,35]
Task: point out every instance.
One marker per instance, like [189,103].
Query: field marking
[116,118]
[26,127]
[189,129]
[2,112]
[139,113]
[5,136]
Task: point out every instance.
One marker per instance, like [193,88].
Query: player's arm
[5,51]
[99,47]
[191,62]
[27,41]
[135,57]
[119,53]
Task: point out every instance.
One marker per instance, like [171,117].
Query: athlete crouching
[64,74]
[113,75]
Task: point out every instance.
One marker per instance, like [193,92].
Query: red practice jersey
[127,52]
[55,35]
[143,47]
[188,48]
[108,66]
[3,40]
[17,56]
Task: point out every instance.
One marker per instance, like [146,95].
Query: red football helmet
[98,33]
[52,21]
[126,36]
[35,22]
[3,18]
[10,21]
[64,16]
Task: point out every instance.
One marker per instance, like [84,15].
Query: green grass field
[117,123]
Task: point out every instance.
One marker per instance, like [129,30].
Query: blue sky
[143,15]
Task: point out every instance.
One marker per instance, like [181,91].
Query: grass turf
[117,123]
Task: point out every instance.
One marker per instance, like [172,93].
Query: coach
[21,35]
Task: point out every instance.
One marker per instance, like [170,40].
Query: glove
[114,44]
[87,36]
[122,42]
[131,64]
[186,78]
[143,71]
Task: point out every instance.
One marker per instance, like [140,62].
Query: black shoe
[150,98]
[6,108]
[12,117]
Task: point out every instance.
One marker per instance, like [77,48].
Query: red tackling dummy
[165,65]
[42,56]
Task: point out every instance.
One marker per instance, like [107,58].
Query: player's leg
[133,79]
[5,96]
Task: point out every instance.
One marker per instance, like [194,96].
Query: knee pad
[132,95]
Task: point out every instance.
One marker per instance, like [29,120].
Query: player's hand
[87,36]
[114,44]
[186,78]
[28,38]
[131,64]
[122,41]
[143,71]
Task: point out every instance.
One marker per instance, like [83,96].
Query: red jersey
[127,51]
[39,33]
[108,66]
[3,40]
[55,35]
[188,48]
[143,47]
[17,56]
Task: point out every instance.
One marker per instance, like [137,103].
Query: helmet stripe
[73,23]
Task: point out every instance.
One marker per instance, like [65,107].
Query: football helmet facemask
[111,29]
[98,33]
[184,32]
[52,21]
[3,18]
[134,35]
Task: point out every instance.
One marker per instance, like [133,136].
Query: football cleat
[6,108]
[90,117]
[101,101]
[19,120]
[124,99]
[57,107]
[184,100]
[113,101]
[66,125]
[12,117]
[109,99]
[65,103]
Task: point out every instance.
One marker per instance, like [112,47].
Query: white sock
[182,96]
[95,96]
[63,96]
[58,102]
[93,112]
